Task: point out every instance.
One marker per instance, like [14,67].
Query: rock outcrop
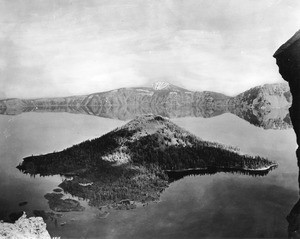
[288,60]
[23,228]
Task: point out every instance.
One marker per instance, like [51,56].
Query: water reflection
[177,175]
[255,205]
[293,217]
[106,194]
[264,118]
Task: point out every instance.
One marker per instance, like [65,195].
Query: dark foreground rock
[288,60]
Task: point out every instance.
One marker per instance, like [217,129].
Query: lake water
[220,205]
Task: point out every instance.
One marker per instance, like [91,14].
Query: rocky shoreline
[23,228]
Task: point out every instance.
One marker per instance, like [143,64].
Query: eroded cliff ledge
[288,60]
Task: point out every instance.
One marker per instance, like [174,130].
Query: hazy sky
[67,47]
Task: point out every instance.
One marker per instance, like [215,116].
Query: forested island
[134,162]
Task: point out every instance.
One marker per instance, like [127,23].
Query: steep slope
[134,159]
[264,97]
[162,93]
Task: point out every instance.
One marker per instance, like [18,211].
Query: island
[134,163]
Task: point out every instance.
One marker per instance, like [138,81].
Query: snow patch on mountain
[160,85]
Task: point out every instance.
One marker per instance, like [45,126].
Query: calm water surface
[221,205]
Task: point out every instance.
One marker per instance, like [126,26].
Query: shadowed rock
[288,60]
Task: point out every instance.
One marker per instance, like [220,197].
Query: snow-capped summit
[160,85]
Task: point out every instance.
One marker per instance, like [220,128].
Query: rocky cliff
[23,228]
[288,60]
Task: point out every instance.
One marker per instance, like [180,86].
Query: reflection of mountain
[267,119]
[264,106]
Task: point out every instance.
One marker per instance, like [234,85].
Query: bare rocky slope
[264,97]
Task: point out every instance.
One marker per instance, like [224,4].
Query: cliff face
[288,60]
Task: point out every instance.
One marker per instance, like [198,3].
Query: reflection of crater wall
[126,112]
[267,119]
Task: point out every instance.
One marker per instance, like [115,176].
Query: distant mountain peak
[160,85]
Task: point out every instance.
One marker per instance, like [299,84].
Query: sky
[53,48]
